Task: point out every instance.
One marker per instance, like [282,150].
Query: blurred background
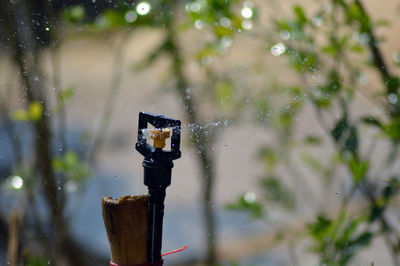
[291,128]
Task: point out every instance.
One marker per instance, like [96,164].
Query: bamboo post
[125,220]
[13,240]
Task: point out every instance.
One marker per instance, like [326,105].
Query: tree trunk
[201,142]
[208,173]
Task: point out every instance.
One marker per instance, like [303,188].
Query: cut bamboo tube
[13,240]
[125,220]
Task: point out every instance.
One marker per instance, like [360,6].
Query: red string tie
[157,263]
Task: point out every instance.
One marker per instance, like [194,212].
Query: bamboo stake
[13,240]
[125,220]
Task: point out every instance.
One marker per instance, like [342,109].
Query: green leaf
[71,166]
[313,140]
[369,120]
[300,15]
[74,14]
[224,92]
[36,261]
[358,169]
[34,113]
[20,115]
[276,191]
[391,189]
[247,203]
[329,50]
[222,31]
[349,230]
[357,48]
[351,143]
[363,240]
[376,212]
[320,227]
[332,85]
[302,61]
[340,127]
[111,18]
[64,96]
[269,156]
[392,129]
[393,84]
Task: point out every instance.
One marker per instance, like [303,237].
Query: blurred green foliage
[247,203]
[337,241]
[34,113]
[36,261]
[329,51]
[72,167]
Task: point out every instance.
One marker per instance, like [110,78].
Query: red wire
[175,251]
[158,262]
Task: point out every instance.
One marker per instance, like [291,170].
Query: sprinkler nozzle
[159,135]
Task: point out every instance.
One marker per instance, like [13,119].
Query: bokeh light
[278,49]
[143,8]
[17,182]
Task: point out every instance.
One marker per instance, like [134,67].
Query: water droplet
[225,22]
[278,49]
[247,25]
[364,38]
[17,182]
[195,7]
[316,21]
[285,35]
[396,57]
[363,79]
[392,98]
[246,12]
[226,42]
[143,8]
[250,197]
[198,24]
[206,60]
[130,16]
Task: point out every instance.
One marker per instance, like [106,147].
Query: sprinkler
[157,166]
[134,223]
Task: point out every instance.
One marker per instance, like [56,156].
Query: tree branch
[112,95]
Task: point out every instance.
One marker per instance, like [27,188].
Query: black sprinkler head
[157,166]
